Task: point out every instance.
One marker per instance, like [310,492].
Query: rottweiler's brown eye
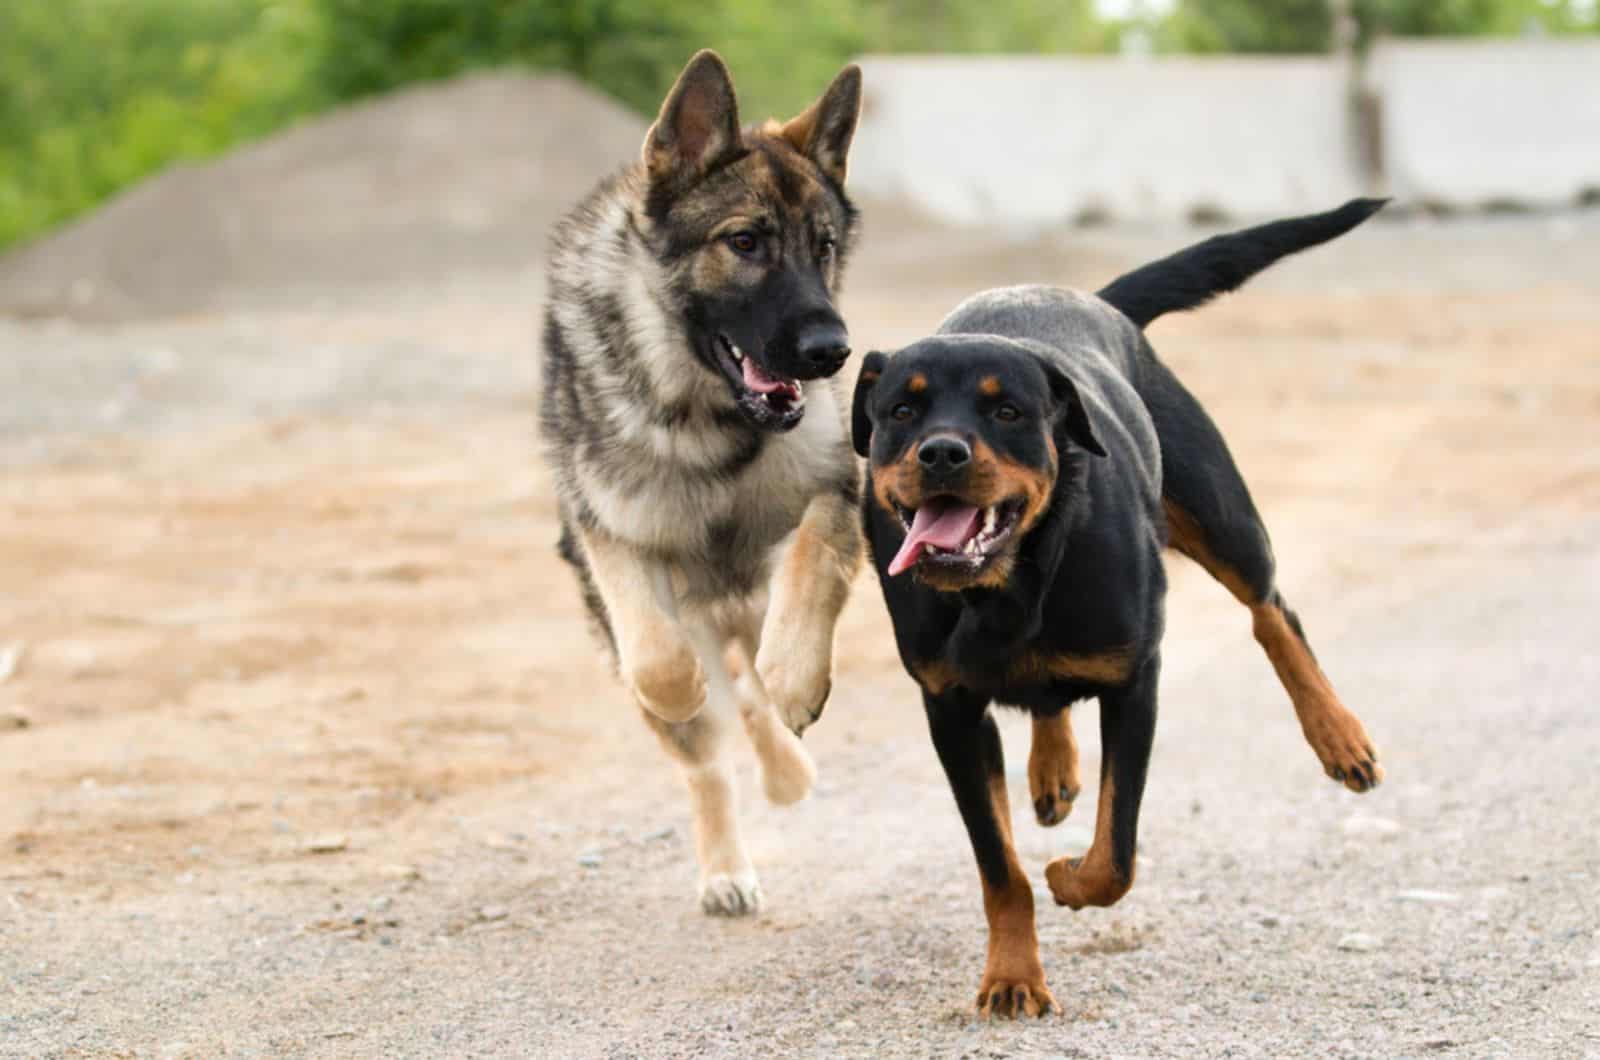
[1006,413]
[744,242]
[902,411]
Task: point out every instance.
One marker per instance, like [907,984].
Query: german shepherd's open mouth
[768,401]
[947,532]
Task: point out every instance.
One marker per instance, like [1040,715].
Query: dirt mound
[412,189]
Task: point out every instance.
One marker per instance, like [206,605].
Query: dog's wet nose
[823,348]
[943,453]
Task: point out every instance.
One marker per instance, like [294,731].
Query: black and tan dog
[1028,463]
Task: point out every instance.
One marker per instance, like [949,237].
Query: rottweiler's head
[966,436]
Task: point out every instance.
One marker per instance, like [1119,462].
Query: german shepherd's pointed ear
[872,366]
[1071,416]
[698,125]
[823,131]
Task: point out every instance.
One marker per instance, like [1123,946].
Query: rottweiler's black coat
[1028,463]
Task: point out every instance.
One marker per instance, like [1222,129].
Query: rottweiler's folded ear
[872,366]
[1071,416]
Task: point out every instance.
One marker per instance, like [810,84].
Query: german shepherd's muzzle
[767,343]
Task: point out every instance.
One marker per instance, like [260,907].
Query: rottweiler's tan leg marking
[728,883]
[1053,768]
[1334,733]
[654,655]
[1013,977]
[787,772]
[1092,879]
[794,661]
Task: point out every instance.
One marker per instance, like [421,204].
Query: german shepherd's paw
[730,894]
[797,679]
[787,772]
[1015,994]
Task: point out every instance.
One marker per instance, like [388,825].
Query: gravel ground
[306,750]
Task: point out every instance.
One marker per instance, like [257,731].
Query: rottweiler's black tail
[1194,276]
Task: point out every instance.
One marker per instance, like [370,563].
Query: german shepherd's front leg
[795,659]
[968,744]
[654,655]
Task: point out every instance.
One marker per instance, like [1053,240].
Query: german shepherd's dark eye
[902,412]
[1007,414]
[827,248]
[745,243]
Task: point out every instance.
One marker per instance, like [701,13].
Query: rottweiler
[1027,464]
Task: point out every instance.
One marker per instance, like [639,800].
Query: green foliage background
[97,94]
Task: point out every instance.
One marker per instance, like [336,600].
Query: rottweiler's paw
[1080,882]
[797,679]
[1052,770]
[1015,995]
[730,894]
[1345,750]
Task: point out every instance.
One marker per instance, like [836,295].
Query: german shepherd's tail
[1194,276]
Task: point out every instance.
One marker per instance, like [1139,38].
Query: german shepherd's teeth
[738,354]
[989,516]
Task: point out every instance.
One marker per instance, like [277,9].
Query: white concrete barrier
[1470,123]
[1021,143]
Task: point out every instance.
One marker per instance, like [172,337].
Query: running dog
[1027,464]
[696,427]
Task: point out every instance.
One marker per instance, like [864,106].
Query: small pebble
[1364,826]
[328,844]
[15,718]
[1359,942]
[493,912]
[590,860]
[1432,897]
[660,833]
[400,872]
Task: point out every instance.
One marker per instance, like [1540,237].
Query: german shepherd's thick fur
[1026,466]
[695,423]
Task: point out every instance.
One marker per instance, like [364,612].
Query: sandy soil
[305,737]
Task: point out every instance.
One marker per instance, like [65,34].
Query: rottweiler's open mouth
[949,533]
[768,401]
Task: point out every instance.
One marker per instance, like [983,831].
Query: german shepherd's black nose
[943,454]
[822,348]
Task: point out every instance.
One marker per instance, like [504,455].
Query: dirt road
[306,750]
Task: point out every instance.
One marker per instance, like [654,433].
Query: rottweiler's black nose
[943,453]
[823,348]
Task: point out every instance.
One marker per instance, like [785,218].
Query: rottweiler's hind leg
[1053,768]
[1212,520]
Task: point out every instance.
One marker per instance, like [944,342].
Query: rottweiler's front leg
[1127,730]
[968,744]
[795,658]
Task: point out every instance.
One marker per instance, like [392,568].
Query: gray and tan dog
[695,423]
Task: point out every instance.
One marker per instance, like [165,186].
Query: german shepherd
[696,427]
[1026,465]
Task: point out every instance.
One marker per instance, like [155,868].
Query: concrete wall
[1025,143]
[1466,123]
[1021,143]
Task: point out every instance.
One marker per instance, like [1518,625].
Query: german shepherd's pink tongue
[762,383]
[941,523]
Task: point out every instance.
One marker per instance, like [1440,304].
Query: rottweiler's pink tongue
[760,381]
[942,524]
